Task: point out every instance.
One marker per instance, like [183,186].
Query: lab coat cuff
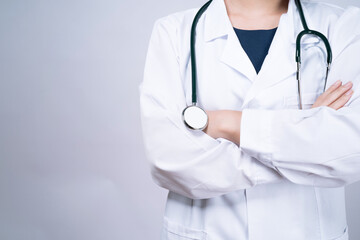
[255,133]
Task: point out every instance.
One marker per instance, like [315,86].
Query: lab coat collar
[217,24]
[280,61]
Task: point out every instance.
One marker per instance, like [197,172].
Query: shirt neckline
[254,30]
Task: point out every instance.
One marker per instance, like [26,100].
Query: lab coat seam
[308,98]
[184,236]
[271,137]
[170,29]
[318,212]
[256,176]
[342,157]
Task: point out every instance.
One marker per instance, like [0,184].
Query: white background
[72,164]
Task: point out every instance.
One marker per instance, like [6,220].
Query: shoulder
[177,20]
[340,25]
[331,15]
[323,8]
[334,15]
[174,28]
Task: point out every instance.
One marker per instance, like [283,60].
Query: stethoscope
[195,117]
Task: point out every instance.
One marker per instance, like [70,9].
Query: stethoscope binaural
[195,117]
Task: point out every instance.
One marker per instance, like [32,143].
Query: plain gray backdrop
[72,164]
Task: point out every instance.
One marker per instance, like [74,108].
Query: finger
[333,87]
[325,94]
[337,93]
[341,101]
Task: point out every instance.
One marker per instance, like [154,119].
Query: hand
[224,124]
[335,96]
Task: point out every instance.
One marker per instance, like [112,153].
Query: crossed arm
[227,123]
[301,146]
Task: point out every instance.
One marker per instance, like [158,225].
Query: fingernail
[349,92]
[347,84]
[337,83]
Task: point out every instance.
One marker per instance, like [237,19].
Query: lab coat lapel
[280,63]
[235,56]
[218,24]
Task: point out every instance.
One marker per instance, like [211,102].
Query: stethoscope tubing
[192,50]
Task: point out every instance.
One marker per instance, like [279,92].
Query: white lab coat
[286,179]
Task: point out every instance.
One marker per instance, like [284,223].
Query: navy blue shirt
[256,44]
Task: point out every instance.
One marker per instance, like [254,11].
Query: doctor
[262,168]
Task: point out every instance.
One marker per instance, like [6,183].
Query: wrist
[230,126]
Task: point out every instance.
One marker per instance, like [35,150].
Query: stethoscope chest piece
[195,117]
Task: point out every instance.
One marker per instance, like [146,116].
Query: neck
[255,14]
[256,8]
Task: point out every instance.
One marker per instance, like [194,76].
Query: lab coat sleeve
[184,161]
[317,146]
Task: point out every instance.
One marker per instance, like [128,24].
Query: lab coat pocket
[175,231]
[307,100]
